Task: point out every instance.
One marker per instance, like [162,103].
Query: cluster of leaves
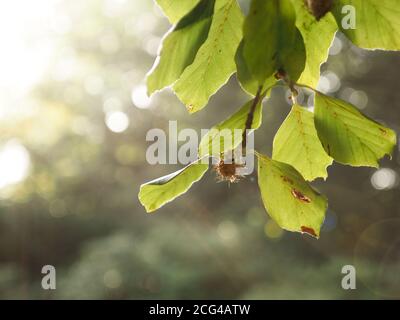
[279,41]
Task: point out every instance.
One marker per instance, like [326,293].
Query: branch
[250,117]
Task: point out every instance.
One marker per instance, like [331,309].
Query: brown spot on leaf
[384,132]
[300,196]
[308,230]
[286,179]
[190,107]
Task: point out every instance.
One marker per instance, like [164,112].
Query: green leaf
[348,136]
[176,9]
[244,76]
[316,45]
[290,201]
[271,40]
[214,62]
[156,193]
[180,46]
[377,23]
[213,143]
[297,144]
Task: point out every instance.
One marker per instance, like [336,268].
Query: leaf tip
[309,231]
[190,108]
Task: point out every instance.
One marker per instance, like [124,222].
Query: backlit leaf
[290,201]
[213,143]
[215,60]
[176,9]
[377,23]
[297,144]
[246,79]
[318,37]
[271,40]
[156,193]
[348,136]
[180,46]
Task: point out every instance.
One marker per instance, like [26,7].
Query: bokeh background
[73,121]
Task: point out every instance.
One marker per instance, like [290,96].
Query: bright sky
[27,30]
[25,47]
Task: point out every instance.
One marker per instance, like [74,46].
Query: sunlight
[384,179]
[140,98]
[25,46]
[117,121]
[24,50]
[14,163]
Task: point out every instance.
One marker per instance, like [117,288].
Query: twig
[250,117]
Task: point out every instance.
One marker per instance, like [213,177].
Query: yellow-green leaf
[215,141]
[246,79]
[180,46]
[271,40]
[348,136]
[290,201]
[377,23]
[176,9]
[214,62]
[156,193]
[297,144]
[318,37]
